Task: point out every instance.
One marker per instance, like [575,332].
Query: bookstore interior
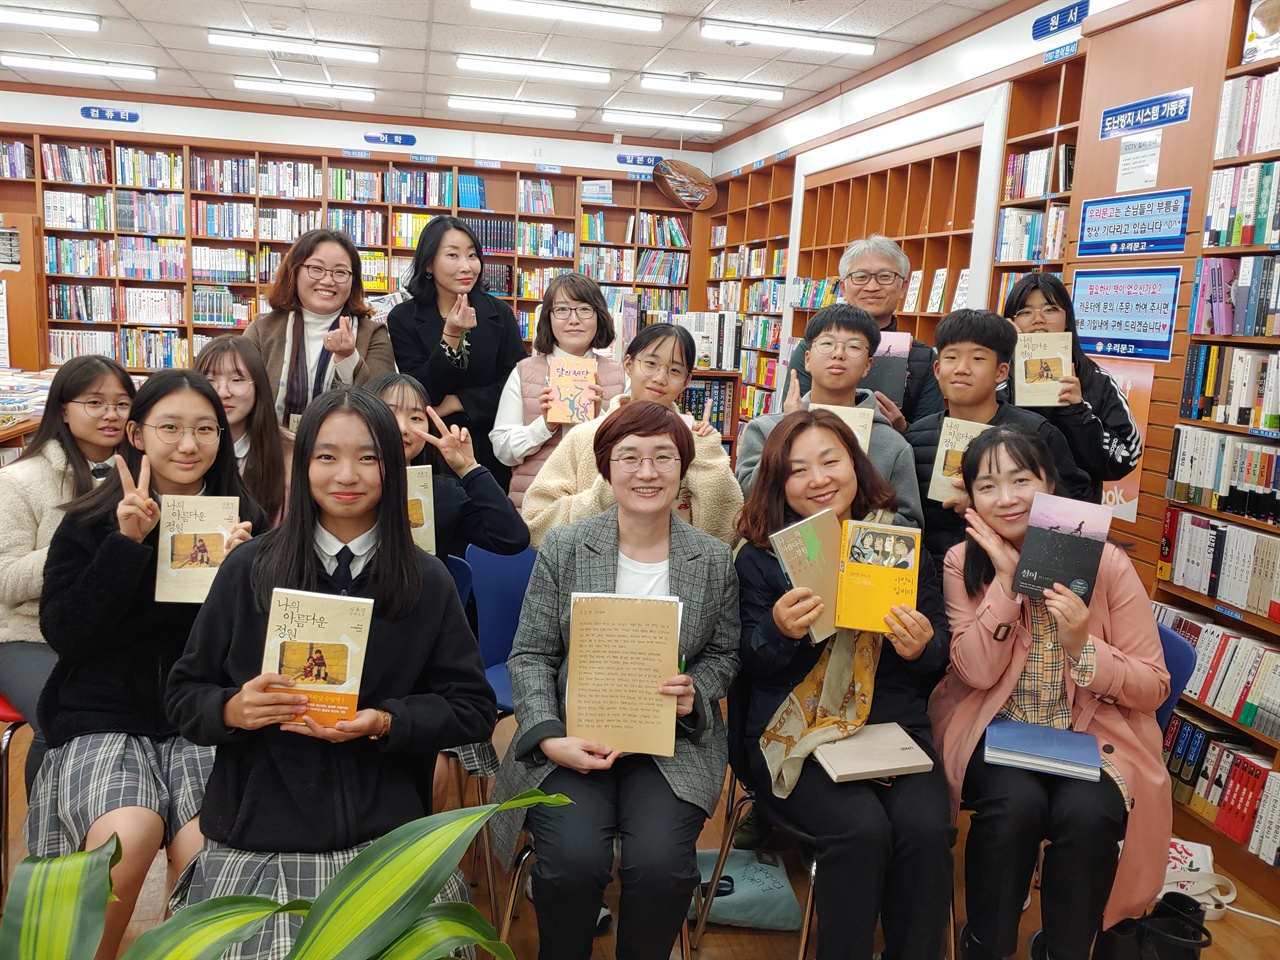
[158,161]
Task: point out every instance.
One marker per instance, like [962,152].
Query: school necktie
[342,572]
[100,470]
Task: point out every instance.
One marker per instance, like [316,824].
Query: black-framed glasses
[584,311]
[170,431]
[317,272]
[850,348]
[675,371]
[236,386]
[860,278]
[663,463]
[97,409]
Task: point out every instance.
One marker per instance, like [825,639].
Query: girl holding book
[1096,421]
[84,419]
[573,322]
[290,802]
[234,367]
[657,805]
[1050,661]
[884,850]
[116,763]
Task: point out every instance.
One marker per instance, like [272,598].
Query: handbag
[1173,930]
[1190,872]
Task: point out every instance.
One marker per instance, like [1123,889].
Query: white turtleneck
[316,326]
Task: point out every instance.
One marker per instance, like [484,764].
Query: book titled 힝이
[571,400]
[193,544]
[1063,545]
[1040,361]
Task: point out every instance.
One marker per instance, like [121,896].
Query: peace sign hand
[137,514]
[341,342]
[454,443]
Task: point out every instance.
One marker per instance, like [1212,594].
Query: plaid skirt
[478,759]
[219,871]
[96,773]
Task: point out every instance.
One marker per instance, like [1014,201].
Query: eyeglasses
[850,348]
[1050,311]
[677,373]
[97,409]
[317,272]
[663,463]
[584,312]
[236,386]
[860,278]
[171,432]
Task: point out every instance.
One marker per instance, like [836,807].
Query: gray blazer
[583,557]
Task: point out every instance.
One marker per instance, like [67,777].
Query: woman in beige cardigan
[659,361]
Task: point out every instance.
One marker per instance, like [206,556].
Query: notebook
[1067,753]
[874,750]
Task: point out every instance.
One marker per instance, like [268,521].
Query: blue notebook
[1011,743]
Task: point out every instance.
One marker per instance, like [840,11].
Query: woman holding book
[569,487]
[884,850]
[657,805]
[574,323]
[1094,417]
[1054,662]
[291,802]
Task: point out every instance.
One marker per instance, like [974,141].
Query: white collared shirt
[241,449]
[327,547]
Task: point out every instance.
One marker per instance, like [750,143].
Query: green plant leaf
[204,930]
[443,928]
[389,885]
[57,907]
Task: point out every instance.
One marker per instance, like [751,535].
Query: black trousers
[884,853]
[574,844]
[1013,811]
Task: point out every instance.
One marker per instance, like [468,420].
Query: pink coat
[1130,682]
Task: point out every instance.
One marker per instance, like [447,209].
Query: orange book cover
[571,401]
[879,567]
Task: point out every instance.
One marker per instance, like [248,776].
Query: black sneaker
[605,921]
[752,830]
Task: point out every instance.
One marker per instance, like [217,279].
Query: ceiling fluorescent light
[323,50]
[522,107]
[661,120]
[532,68]
[288,88]
[54,21]
[787,37]
[88,68]
[703,87]
[575,12]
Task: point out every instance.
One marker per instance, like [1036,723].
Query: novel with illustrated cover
[952,443]
[193,543]
[937,291]
[568,377]
[809,552]
[1063,545]
[872,751]
[888,373]
[911,303]
[858,419]
[878,569]
[1039,362]
[319,640]
[422,508]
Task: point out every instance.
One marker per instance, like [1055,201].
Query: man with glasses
[873,276]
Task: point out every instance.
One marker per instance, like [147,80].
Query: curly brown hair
[284,292]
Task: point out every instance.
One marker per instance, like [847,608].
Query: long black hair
[1055,292]
[287,557]
[73,378]
[222,478]
[1028,451]
[381,385]
[422,283]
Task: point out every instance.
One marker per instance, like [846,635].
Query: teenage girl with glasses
[116,763]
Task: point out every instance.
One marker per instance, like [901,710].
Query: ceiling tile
[725,65]
[810,15]
[936,21]
[582,95]
[447,39]
[356,26]
[871,19]
[602,53]
[472,86]
[221,14]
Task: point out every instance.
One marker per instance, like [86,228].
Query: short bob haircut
[983,327]
[642,418]
[650,336]
[766,510]
[843,316]
[73,378]
[573,286]
[284,292]
[1054,291]
[422,282]
[1027,450]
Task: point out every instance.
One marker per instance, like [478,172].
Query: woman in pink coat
[1052,661]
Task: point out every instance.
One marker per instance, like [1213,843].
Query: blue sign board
[1127,313]
[632,175]
[110,113]
[781,156]
[358,154]
[1161,111]
[393,139]
[424,158]
[1062,52]
[547,167]
[1060,20]
[639,159]
[495,164]
[1138,223]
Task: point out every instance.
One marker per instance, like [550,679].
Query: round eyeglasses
[236,386]
[171,432]
[850,348]
[97,409]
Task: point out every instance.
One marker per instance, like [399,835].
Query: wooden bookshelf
[732,381]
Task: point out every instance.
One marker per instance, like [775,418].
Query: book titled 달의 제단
[568,378]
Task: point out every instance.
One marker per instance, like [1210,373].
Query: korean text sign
[1128,312]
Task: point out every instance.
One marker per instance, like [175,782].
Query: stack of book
[226,175]
[1243,207]
[1027,174]
[471,194]
[1248,117]
[694,401]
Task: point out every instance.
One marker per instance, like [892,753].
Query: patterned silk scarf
[829,704]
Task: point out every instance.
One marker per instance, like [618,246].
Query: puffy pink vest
[533,380]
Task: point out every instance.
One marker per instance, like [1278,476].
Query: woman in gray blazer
[657,805]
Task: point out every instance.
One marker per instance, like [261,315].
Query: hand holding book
[261,703]
[909,631]
[367,723]
[797,610]
[1069,610]
[1070,393]
[681,687]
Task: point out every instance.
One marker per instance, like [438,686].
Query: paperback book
[888,373]
[872,751]
[858,419]
[319,640]
[422,508]
[193,537]
[1063,545]
[1067,753]
[809,552]
[568,377]
[952,443]
[937,290]
[911,303]
[1040,360]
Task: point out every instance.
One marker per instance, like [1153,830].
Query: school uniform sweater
[115,643]
[272,790]
[474,509]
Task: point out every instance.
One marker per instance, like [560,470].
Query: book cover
[859,420]
[937,290]
[809,552]
[1063,545]
[960,298]
[952,443]
[878,568]
[912,300]
[193,533]
[1067,753]
[422,508]
[319,640]
[1040,360]
[568,377]
[888,373]
[873,750]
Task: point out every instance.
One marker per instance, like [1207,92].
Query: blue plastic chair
[499,583]
[462,578]
[1180,661]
